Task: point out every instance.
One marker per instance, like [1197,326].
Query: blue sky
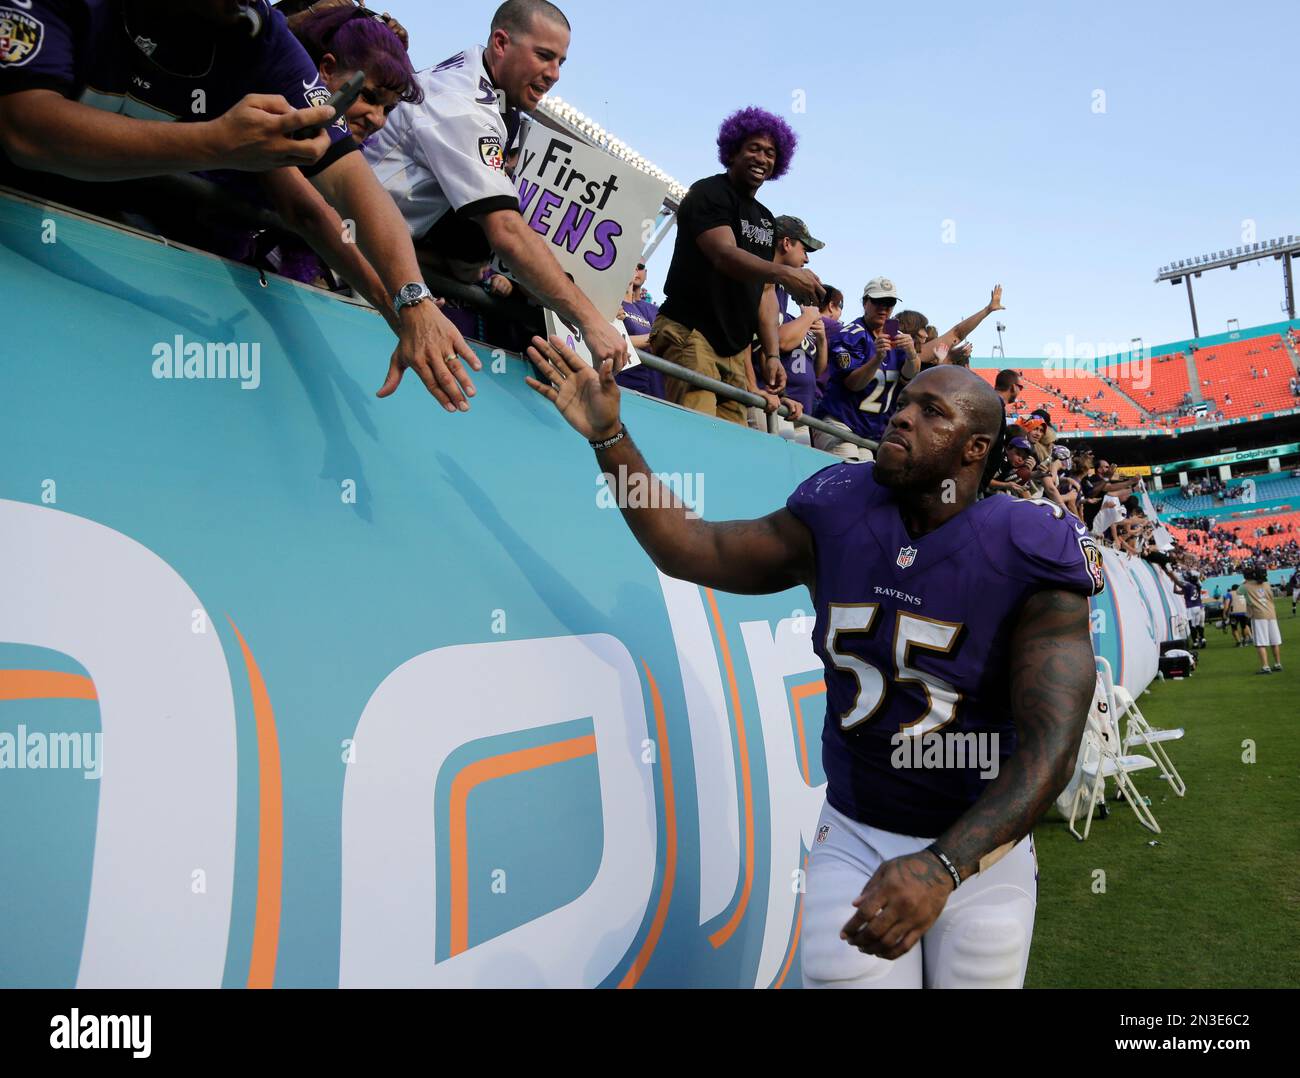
[980,115]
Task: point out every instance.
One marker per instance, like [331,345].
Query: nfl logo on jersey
[906,556]
[822,832]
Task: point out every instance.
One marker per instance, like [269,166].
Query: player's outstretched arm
[1052,679]
[751,557]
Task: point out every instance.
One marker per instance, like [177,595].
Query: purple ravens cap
[1021,444]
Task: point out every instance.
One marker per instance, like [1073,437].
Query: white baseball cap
[880,288]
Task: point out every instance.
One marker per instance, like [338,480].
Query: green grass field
[1217,902]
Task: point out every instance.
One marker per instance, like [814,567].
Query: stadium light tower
[1281,249]
[1001,351]
[1234,325]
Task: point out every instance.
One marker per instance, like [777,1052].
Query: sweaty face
[754,161]
[923,443]
[528,64]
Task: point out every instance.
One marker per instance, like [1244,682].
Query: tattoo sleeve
[1052,680]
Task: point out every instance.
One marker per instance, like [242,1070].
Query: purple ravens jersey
[800,362]
[865,411]
[104,55]
[1191,590]
[915,635]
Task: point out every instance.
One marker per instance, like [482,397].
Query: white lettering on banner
[711,746]
[79,588]
[794,806]
[424,711]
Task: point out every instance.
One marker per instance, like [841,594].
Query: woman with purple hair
[721,283]
[341,40]
[344,40]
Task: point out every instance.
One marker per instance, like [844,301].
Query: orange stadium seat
[1161,388]
[1037,394]
[1224,372]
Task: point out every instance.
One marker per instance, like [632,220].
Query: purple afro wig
[745,124]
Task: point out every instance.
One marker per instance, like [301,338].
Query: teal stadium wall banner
[303,688]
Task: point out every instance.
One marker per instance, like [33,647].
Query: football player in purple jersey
[959,666]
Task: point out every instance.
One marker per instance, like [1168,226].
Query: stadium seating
[1224,373]
[1051,393]
[1168,382]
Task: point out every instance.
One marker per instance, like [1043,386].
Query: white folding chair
[1102,758]
[1138,733]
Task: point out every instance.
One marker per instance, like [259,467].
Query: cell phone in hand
[340,101]
[891,327]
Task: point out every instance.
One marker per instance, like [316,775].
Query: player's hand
[433,348]
[804,285]
[796,409]
[604,342]
[587,398]
[774,372]
[255,134]
[995,301]
[500,285]
[898,906]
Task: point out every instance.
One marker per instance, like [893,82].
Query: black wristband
[946,861]
[622,433]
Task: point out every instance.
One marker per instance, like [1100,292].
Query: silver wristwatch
[409,295]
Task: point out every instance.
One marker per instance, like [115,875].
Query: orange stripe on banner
[45,685]
[270,828]
[470,776]
[726,931]
[794,940]
[797,695]
[670,852]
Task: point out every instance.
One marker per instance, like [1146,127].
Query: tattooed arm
[1052,678]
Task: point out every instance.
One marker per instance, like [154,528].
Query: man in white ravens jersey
[943,620]
[443,160]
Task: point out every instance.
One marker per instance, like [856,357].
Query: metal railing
[213,196]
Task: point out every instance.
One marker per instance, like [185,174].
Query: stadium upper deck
[1230,377]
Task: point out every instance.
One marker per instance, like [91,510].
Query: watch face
[411,292]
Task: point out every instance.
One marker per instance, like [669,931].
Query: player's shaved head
[516,16]
[985,412]
[947,424]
